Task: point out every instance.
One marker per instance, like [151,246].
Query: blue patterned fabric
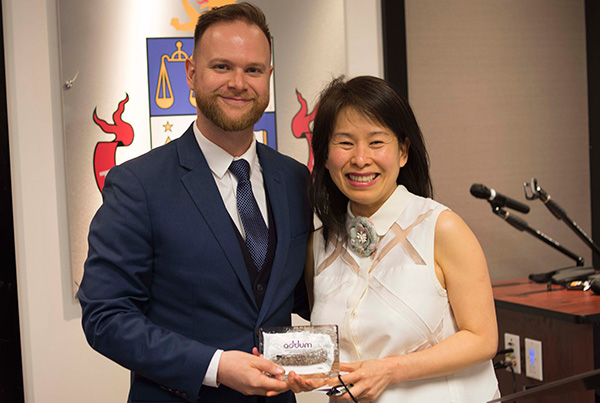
[257,233]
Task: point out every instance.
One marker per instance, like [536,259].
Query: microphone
[482,192]
[594,283]
[538,193]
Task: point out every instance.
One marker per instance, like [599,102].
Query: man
[178,281]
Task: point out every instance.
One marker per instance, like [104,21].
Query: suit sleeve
[301,306]
[301,301]
[116,289]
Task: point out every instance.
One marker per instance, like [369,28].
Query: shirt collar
[217,158]
[390,210]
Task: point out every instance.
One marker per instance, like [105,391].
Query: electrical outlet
[533,359]
[514,358]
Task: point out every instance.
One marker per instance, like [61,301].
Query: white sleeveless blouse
[392,302]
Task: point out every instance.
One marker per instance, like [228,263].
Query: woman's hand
[370,378]
[299,384]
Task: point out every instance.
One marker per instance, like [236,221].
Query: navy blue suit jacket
[165,283]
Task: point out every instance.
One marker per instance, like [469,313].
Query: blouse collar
[390,210]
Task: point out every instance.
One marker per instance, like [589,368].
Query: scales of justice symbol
[164,97]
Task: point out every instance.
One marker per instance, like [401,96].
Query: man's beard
[208,105]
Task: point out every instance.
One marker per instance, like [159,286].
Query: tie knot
[241,169]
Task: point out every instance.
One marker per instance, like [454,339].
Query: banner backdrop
[125,91]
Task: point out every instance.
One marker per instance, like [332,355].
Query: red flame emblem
[301,126]
[104,154]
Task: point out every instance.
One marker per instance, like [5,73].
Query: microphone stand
[558,212]
[522,225]
[538,193]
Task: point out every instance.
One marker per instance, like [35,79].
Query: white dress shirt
[219,161]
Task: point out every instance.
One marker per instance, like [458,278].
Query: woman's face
[364,160]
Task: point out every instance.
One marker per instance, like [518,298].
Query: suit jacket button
[259,287]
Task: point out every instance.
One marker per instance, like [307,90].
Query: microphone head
[480,191]
[595,286]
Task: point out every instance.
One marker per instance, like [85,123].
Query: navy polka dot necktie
[257,233]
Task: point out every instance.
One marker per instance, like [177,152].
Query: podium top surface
[525,296]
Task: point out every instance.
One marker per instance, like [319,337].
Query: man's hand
[296,382]
[299,384]
[244,373]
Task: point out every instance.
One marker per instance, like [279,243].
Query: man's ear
[190,72]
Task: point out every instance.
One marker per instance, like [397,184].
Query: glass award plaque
[310,351]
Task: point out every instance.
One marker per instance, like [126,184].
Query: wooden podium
[567,322]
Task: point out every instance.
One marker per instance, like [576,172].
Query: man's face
[230,75]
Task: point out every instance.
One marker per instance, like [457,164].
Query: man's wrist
[210,378]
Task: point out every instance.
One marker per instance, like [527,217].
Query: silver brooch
[363,238]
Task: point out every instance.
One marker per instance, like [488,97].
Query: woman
[402,276]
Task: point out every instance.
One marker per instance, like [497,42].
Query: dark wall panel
[394,44]
[592,22]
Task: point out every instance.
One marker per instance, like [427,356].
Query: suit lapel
[203,190]
[277,194]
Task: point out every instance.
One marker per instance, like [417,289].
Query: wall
[58,364]
[500,92]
